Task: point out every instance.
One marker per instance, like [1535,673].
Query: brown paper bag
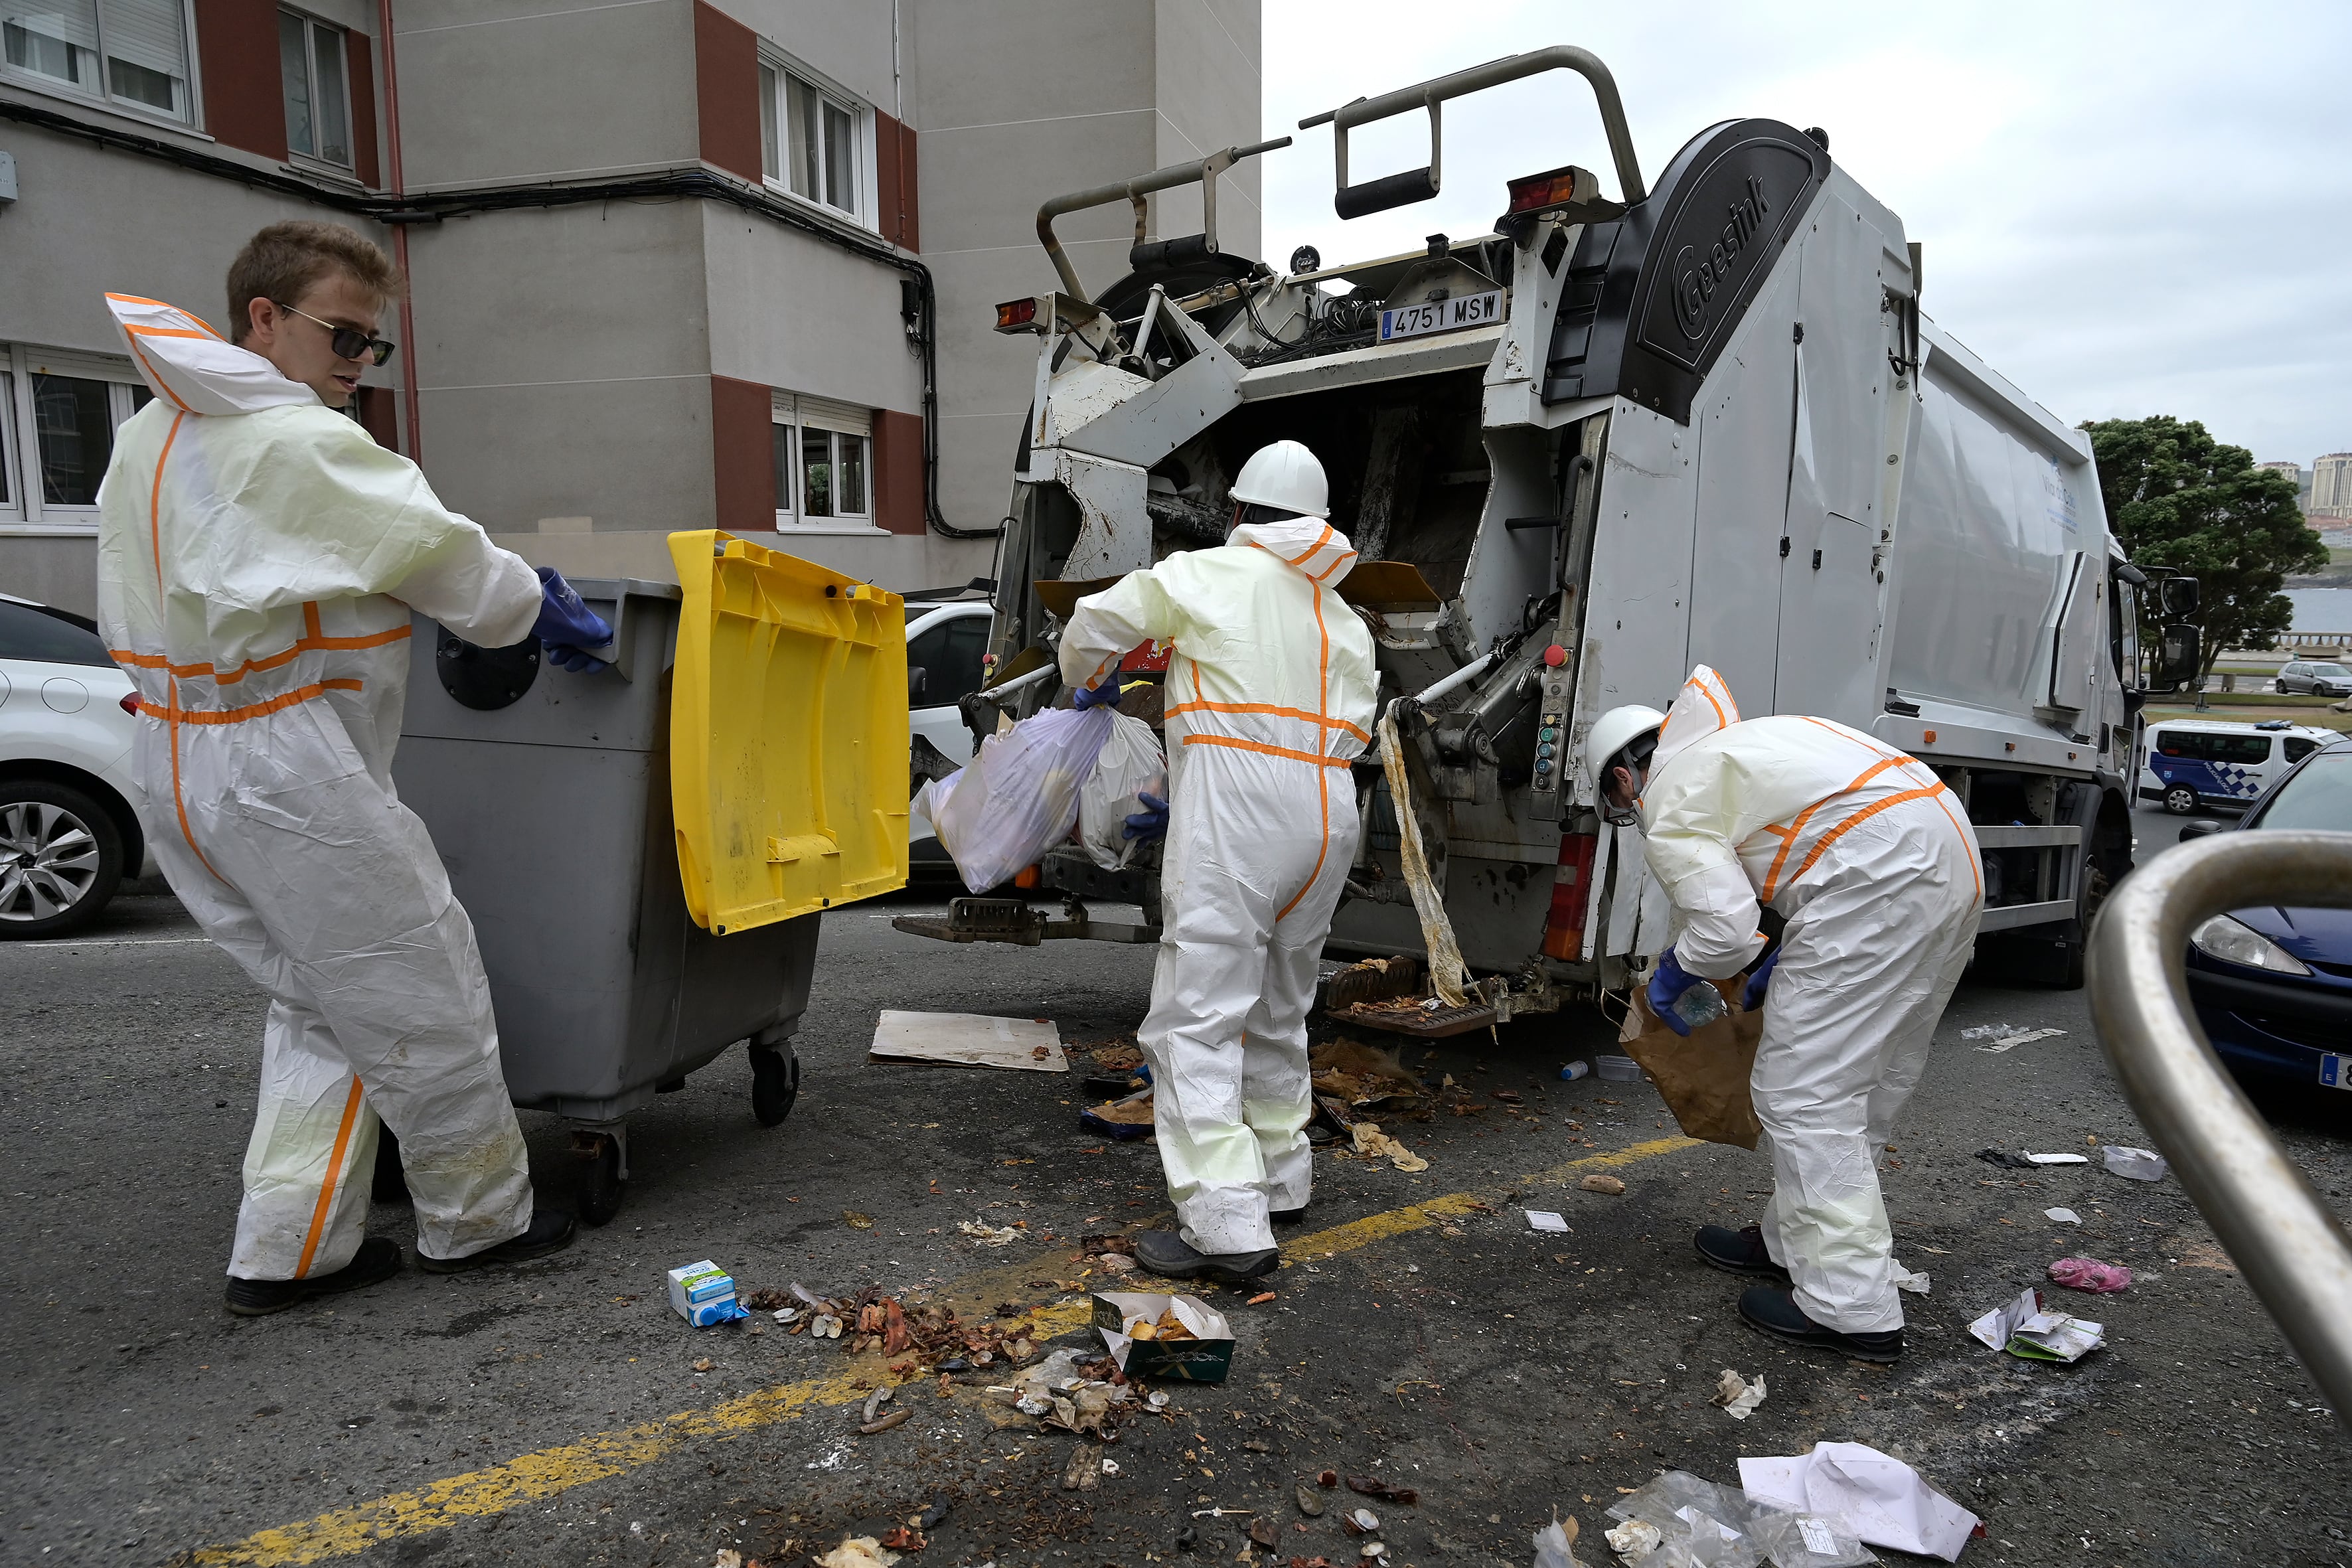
[1703,1077]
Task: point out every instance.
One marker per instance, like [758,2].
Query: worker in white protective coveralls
[1873,864]
[1269,695]
[259,557]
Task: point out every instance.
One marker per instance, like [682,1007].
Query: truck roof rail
[1203,174]
[2295,1254]
[1421,185]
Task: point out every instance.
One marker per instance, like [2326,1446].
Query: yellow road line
[535,1477]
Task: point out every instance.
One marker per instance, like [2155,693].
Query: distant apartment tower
[2293,472]
[2331,487]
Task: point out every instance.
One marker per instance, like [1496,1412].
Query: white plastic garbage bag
[1131,762]
[1020,796]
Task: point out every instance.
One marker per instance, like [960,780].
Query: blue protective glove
[1667,982]
[565,625]
[1151,821]
[1758,978]
[1103,696]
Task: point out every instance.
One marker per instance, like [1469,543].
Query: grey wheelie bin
[645,850]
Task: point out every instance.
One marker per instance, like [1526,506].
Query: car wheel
[60,858]
[2181,800]
[2279,686]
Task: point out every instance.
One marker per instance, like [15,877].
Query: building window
[130,53]
[57,415]
[317,84]
[812,140]
[823,453]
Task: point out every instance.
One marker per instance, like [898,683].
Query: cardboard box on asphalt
[1203,1360]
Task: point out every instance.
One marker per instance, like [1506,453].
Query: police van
[2195,763]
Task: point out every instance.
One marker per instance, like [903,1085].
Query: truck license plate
[1441,316]
[2334,1071]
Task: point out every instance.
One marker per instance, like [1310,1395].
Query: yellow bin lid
[788,734]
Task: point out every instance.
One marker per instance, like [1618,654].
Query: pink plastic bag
[2090,1274]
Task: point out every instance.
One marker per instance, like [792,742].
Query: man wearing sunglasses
[260,557]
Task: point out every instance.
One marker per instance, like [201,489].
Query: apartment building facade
[673,264]
[2331,487]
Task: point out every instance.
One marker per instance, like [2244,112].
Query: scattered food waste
[1738,1395]
[1599,1182]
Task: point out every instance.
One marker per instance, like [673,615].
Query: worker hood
[1704,707]
[194,368]
[1312,545]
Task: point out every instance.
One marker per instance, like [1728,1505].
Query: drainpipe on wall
[410,413]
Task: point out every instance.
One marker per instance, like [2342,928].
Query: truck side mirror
[2176,666]
[2180,598]
[919,680]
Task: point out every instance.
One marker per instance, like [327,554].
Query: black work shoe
[1777,1313]
[1738,1251]
[376,1261]
[550,1231]
[1287,1217]
[1164,1253]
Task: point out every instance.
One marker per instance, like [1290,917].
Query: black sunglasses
[349,342]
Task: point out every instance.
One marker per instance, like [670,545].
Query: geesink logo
[1700,277]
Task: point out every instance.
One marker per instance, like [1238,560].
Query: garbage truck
[1699,422]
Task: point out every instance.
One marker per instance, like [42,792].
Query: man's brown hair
[285,259]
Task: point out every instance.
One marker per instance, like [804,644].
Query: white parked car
[69,831]
[945,640]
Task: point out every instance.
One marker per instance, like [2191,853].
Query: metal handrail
[1393,190]
[2294,1253]
[1202,172]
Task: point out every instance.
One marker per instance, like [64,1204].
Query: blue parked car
[2273,987]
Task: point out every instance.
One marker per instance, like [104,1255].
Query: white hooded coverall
[1876,869]
[258,556]
[1270,694]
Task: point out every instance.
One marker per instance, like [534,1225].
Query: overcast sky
[2125,209]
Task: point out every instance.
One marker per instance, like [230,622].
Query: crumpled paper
[2090,1274]
[1370,1141]
[2139,1164]
[1884,1500]
[2024,1328]
[1738,1396]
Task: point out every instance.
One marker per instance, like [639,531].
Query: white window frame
[20,444]
[103,96]
[775,138]
[801,414]
[311,24]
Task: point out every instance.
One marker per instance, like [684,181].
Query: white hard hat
[1611,733]
[1288,478]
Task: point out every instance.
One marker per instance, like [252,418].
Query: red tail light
[130,703]
[1571,891]
[1017,316]
[1556,188]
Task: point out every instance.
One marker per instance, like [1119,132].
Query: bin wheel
[775,1083]
[600,1186]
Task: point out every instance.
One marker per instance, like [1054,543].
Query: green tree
[2178,497]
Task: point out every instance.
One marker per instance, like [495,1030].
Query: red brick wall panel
[898,471]
[360,49]
[893,167]
[244,100]
[743,473]
[378,418]
[727,92]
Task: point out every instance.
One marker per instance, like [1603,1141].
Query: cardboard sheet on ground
[1884,1500]
[969,1039]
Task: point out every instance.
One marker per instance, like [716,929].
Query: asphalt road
[554,1413]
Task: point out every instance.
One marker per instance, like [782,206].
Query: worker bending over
[258,558]
[1873,865]
[1269,696]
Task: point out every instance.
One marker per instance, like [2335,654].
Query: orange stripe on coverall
[327,1187]
[1328,723]
[271,661]
[251,710]
[1322,703]
[170,715]
[1872,809]
[1241,745]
